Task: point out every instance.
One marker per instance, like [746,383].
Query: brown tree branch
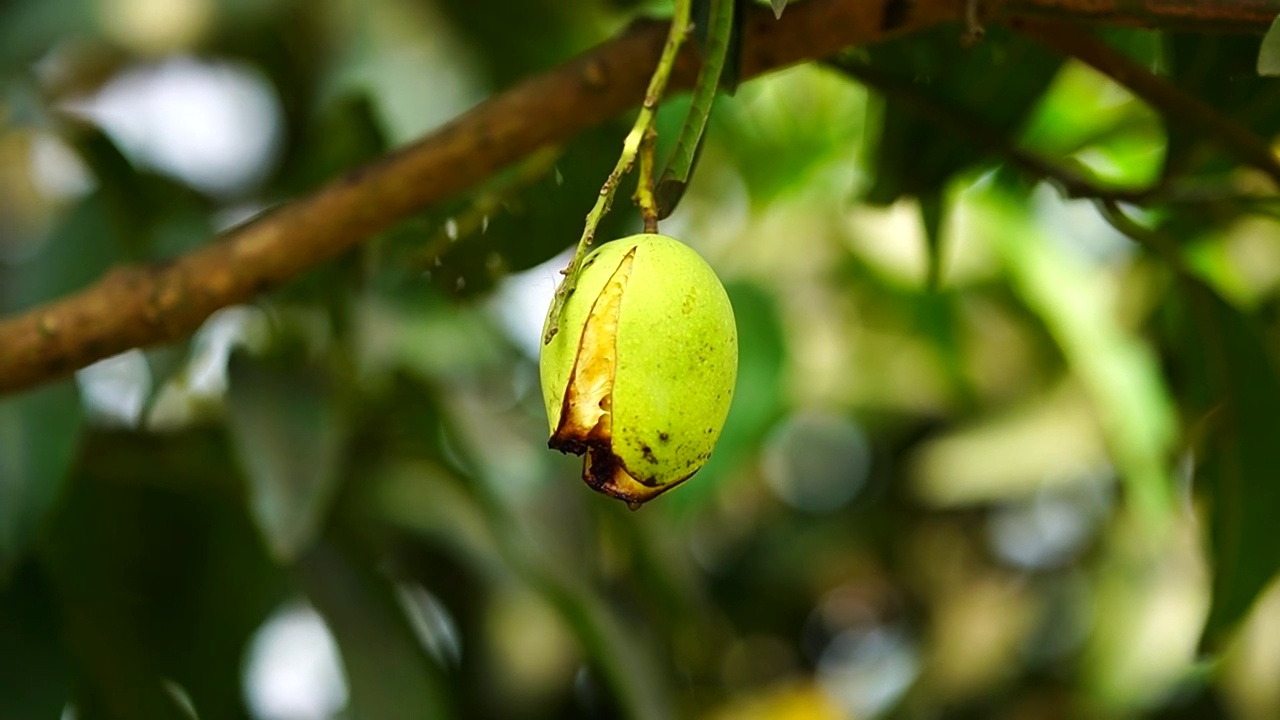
[1249,16]
[138,306]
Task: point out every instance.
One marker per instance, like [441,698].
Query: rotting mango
[641,374]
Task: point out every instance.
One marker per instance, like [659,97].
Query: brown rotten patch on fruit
[586,417]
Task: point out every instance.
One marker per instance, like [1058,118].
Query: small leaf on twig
[932,212]
[1269,53]
[675,177]
[287,432]
[1236,397]
[39,431]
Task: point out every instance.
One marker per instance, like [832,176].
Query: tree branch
[1204,16]
[138,306]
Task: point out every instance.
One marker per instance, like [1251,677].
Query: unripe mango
[641,373]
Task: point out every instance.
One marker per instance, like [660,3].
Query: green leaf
[439,508]
[147,215]
[82,246]
[778,6]
[731,73]
[932,214]
[1119,372]
[1269,53]
[39,432]
[348,134]
[33,670]
[675,178]
[516,38]
[129,217]
[783,132]
[1222,71]
[389,672]
[155,587]
[288,434]
[1236,403]
[996,82]
[28,28]
[159,575]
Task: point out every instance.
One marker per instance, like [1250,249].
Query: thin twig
[644,196]
[1152,240]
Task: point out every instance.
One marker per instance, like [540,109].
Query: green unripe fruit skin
[641,373]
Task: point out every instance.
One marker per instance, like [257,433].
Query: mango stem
[643,127]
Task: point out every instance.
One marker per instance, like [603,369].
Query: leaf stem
[644,196]
[630,148]
[675,177]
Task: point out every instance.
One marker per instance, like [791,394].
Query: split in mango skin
[641,375]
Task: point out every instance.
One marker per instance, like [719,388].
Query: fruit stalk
[630,147]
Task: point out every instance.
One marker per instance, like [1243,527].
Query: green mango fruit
[641,373]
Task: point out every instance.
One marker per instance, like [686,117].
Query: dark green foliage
[1221,71]
[998,80]
[1235,396]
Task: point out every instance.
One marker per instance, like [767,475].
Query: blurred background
[969,498]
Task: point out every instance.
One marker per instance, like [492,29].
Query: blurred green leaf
[280,39]
[524,38]
[933,214]
[288,434]
[720,26]
[619,651]
[131,607]
[1120,373]
[997,81]
[347,134]
[1269,53]
[1235,402]
[39,432]
[1143,45]
[80,249]
[1220,70]
[28,27]
[389,672]
[33,668]
[1080,120]
[129,217]
[189,606]
[147,215]
[781,131]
